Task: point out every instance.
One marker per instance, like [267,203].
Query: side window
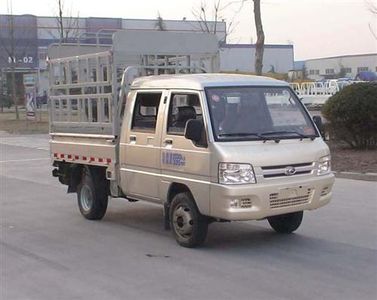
[145,112]
[182,107]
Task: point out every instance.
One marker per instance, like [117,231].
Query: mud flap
[74,178]
[166,216]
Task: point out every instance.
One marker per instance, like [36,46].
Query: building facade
[340,66]
[240,58]
[24,40]
[32,35]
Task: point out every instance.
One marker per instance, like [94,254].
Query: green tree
[352,115]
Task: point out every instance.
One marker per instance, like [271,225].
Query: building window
[362,69]
[329,71]
[42,54]
[313,72]
[346,70]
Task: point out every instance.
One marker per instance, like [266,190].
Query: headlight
[324,165]
[236,173]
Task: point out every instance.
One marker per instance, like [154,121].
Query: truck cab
[238,147]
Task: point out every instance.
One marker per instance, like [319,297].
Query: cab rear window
[145,111]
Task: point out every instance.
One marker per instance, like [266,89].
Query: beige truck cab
[206,147]
[222,147]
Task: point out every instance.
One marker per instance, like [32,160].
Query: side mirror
[193,130]
[318,122]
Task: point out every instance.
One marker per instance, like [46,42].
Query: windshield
[257,113]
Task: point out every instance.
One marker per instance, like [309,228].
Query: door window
[145,112]
[182,108]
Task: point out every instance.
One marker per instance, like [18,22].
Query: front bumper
[268,199]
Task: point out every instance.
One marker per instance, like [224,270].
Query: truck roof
[201,81]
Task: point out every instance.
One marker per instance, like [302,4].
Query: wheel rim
[183,221]
[86,198]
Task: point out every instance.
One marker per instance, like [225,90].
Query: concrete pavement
[48,251]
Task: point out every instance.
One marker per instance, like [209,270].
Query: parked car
[366,76]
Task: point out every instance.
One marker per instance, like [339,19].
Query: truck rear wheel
[188,225]
[286,223]
[92,195]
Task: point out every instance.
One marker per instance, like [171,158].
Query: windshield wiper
[302,136]
[244,134]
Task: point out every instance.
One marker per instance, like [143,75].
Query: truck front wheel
[286,223]
[188,225]
[92,195]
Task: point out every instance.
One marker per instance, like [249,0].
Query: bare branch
[160,25]
[60,20]
[204,16]
[216,13]
[372,7]
[68,27]
[232,24]
[209,23]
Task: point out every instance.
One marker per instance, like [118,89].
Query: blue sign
[174,159]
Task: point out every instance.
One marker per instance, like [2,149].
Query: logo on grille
[290,171]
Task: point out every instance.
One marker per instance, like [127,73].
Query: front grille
[277,202]
[281,170]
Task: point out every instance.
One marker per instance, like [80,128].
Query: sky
[316,28]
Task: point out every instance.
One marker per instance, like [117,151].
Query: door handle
[168,142]
[132,138]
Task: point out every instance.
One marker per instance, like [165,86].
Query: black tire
[92,194]
[286,223]
[188,225]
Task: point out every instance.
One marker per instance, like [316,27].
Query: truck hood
[269,153]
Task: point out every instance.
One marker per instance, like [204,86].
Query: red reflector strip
[85,158]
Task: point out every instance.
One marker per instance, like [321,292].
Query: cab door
[182,161]
[140,148]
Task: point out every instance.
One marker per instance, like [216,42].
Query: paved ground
[48,251]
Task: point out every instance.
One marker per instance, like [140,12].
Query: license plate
[293,192]
[288,193]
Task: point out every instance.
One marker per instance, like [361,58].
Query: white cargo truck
[207,147]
